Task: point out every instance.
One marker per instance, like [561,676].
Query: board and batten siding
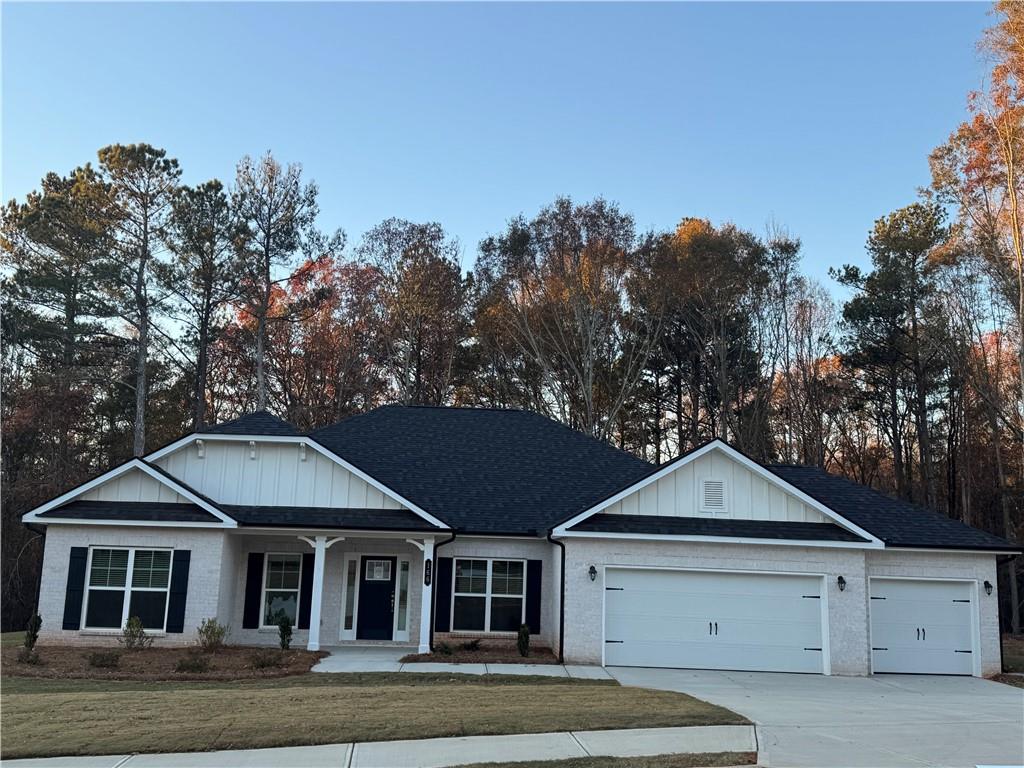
[277,476]
[134,485]
[748,496]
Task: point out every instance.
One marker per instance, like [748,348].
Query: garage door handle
[716,629]
[709,627]
[918,633]
[924,634]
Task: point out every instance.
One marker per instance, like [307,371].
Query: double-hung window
[488,595]
[113,597]
[281,588]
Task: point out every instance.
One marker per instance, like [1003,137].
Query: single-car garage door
[713,620]
[922,627]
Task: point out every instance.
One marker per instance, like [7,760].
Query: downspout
[433,593]
[561,599]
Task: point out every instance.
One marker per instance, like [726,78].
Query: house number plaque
[426,571]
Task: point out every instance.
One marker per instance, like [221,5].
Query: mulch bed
[229,663]
[485,654]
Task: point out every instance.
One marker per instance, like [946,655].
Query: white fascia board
[812,543]
[310,443]
[33,515]
[127,523]
[732,453]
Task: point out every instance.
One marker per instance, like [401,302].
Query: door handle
[918,633]
[924,633]
[709,627]
[392,599]
[716,629]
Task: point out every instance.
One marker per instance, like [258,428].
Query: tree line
[136,308]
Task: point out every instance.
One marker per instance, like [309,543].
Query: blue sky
[818,117]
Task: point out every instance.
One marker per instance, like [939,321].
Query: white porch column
[427,594]
[320,546]
[319,556]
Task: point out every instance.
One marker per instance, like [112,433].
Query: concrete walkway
[437,753]
[385,658]
[884,721]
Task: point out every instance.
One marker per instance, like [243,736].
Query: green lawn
[100,717]
[11,638]
[701,760]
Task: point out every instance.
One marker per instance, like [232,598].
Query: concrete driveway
[875,722]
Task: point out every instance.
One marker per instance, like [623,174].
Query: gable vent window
[712,496]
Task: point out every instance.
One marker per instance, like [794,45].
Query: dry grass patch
[99,717]
[1013,653]
[229,663]
[695,760]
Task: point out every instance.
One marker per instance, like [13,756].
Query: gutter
[561,599]
[433,597]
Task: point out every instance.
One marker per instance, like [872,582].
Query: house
[414,524]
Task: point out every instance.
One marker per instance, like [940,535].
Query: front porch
[337,588]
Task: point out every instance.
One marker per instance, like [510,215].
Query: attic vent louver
[712,496]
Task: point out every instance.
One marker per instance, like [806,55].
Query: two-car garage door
[713,620]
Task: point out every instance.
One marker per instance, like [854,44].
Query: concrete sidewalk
[385,658]
[437,753]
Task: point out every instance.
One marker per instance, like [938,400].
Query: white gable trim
[718,445]
[310,443]
[812,543]
[133,464]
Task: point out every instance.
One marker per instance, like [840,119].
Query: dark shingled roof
[897,523]
[327,517]
[258,423]
[483,470]
[148,511]
[704,526]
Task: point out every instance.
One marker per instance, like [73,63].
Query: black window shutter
[443,595]
[253,589]
[76,588]
[179,590]
[533,587]
[305,590]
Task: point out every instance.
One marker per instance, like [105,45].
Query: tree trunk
[261,376]
[897,438]
[1011,566]
[199,385]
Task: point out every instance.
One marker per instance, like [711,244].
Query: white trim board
[310,443]
[811,543]
[718,445]
[33,516]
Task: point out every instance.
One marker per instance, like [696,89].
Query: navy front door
[376,598]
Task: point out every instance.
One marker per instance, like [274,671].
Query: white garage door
[922,627]
[712,620]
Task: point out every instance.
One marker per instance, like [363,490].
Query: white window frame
[488,596]
[127,589]
[263,588]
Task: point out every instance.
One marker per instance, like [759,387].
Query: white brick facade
[204,574]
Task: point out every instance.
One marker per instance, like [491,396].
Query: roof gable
[132,482]
[258,423]
[684,503]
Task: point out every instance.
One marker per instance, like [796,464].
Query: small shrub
[284,631]
[266,658]
[443,648]
[471,645]
[29,656]
[193,662]
[211,635]
[133,636]
[523,640]
[32,632]
[104,659]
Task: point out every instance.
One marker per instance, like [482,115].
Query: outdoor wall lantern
[988,587]
[593,575]
[842,583]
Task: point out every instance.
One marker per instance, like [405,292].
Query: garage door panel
[713,620]
[922,627]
